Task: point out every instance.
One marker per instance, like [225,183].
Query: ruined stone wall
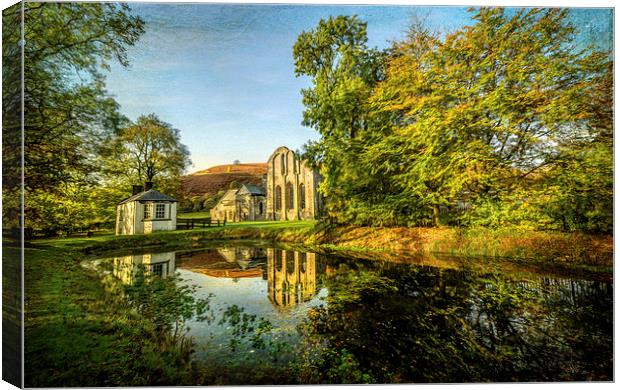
[291,187]
[226,208]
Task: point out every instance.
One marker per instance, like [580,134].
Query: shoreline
[546,251]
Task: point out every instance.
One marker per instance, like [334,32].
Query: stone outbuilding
[247,203]
[292,187]
[146,212]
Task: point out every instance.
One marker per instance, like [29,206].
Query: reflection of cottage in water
[239,262]
[291,276]
[126,268]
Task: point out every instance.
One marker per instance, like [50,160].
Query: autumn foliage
[505,122]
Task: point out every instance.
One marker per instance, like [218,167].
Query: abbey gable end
[291,188]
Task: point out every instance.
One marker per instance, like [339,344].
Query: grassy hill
[212,180]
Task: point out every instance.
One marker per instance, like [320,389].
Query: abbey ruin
[289,192]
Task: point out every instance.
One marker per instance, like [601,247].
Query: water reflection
[351,320]
[128,268]
[397,323]
[236,263]
[291,276]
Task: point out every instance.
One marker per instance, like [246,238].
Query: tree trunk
[435,215]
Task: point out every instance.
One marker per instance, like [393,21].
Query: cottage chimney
[136,189]
[148,185]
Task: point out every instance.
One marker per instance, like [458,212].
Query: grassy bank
[510,250]
[79,334]
[553,248]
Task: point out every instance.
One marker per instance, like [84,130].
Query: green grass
[76,333]
[232,229]
[197,214]
[272,224]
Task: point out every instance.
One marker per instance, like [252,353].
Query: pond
[275,315]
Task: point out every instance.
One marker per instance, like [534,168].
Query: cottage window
[148,210]
[160,211]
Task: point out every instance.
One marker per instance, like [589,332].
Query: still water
[282,316]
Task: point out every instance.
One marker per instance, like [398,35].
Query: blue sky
[224,74]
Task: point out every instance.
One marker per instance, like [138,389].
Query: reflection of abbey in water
[291,276]
[126,268]
[239,262]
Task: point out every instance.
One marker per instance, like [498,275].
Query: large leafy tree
[488,111]
[67,48]
[147,150]
[342,70]
[488,119]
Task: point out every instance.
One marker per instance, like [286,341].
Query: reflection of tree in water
[391,323]
[147,285]
[420,324]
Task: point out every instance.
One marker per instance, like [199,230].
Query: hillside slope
[214,179]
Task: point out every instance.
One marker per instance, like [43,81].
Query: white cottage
[145,212]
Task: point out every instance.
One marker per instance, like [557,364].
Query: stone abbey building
[289,192]
[246,203]
[291,188]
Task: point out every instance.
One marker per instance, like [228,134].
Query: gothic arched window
[290,262]
[302,196]
[278,198]
[290,196]
[303,262]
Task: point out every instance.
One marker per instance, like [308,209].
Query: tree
[489,111]
[487,118]
[343,70]
[67,48]
[147,150]
[66,105]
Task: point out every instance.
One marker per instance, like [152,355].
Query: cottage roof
[150,195]
[254,190]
